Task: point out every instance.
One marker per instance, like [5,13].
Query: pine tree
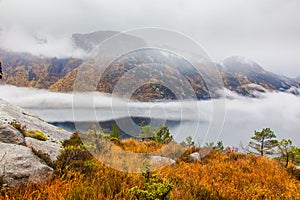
[264,142]
[285,150]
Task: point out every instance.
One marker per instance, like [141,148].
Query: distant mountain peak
[240,63]
[90,40]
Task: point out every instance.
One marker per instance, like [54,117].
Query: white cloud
[266,31]
[278,111]
[40,43]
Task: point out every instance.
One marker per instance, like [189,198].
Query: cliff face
[25,156]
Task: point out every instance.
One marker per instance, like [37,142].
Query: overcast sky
[266,31]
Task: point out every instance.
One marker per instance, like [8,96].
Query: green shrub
[160,134]
[115,132]
[75,159]
[74,140]
[154,189]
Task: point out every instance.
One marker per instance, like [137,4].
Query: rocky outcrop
[19,166]
[10,113]
[24,159]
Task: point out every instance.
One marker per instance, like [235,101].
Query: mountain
[244,76]
[89,41]
[169,76]
[26,70]
[239,74]
[297,79]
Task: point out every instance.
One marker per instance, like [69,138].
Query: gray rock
[195,156]
[19,165]
[202,153]
[10,113]
[48,147]
[157,162]
[9,134]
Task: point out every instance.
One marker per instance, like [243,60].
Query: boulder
[157,162]
[19,165]
[195,156]
[9,134]
[10,113]
[27,159]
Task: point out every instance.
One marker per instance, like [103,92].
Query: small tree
[219,146]
[285,150]
[161,134]
[189,142]
[263,142]
[295,155]
[147,132]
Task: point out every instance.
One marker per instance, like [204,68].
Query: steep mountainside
[244,76]
[23,69]
[239,75]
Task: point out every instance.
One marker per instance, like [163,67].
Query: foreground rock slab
[21,157]
[19,166]
[10,113]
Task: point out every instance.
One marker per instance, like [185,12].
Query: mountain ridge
[59,74]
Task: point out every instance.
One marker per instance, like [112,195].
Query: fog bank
[279,111]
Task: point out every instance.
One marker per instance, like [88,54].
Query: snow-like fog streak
[279,111]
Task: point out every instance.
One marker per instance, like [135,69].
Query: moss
[36,134]
[18,126]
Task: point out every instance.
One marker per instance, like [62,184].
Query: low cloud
[279,111]
[266,31]
[39,43]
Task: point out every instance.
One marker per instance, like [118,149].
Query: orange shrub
[228,175]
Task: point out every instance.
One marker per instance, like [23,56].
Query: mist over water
[279,111]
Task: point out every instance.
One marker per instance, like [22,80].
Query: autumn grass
[220,175]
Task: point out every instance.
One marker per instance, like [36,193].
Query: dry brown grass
[221,175]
